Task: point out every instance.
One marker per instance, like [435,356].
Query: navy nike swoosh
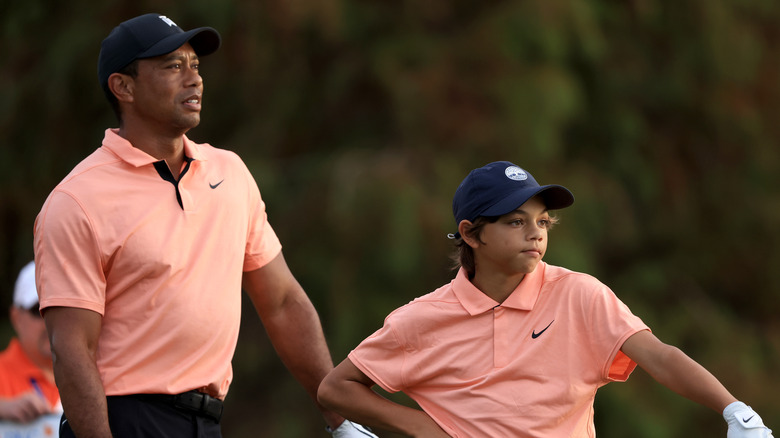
[748,419]
[535,335]
[214,186]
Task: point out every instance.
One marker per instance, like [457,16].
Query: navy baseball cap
[147,36]
[499,188]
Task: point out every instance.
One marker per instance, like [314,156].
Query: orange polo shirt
[160,260]
[528,367]
[17,371]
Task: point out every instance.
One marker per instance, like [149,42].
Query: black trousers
[136,416]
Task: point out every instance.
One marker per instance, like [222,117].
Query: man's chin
[189,122]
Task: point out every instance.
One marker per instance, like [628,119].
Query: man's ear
[14,314]
[122,86]
[463,228]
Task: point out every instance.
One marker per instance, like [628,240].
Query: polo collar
[123,149]
[522,298]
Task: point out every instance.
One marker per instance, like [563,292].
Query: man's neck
[168,146]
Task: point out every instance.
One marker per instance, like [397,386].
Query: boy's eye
[544,223]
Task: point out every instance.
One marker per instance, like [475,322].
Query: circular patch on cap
[516,173]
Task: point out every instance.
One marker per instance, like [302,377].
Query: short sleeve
[68,264]
[612,323]
[381,357]
[262,243]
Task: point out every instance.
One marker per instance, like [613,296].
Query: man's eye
[544,223]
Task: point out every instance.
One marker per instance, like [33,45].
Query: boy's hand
[744,422]
[348,429]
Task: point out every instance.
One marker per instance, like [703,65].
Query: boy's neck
[497,286]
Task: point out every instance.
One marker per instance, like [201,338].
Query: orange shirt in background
[17,372]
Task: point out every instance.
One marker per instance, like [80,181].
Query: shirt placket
[501,337]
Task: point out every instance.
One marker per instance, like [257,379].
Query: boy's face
[515,243]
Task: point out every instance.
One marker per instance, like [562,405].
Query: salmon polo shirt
[160,258]
[528,367]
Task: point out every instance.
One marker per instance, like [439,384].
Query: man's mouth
[193,102]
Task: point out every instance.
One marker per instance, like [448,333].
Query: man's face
[31,330]
[168,89]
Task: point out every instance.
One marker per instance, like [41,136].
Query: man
[142,249]
[27,389]
[512,347]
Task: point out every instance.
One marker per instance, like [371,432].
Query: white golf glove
[744,422]
[349,429]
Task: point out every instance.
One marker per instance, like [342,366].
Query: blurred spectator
[27,388]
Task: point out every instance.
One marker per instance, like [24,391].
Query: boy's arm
[674,369]
[347,390]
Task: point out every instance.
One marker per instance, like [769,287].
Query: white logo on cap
[516,173]
[167,20]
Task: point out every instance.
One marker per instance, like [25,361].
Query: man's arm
[73,334]
[674,369]
[347,390]
[293,326]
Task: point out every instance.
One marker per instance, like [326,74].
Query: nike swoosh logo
[214,186]
[535,335]
[748,419]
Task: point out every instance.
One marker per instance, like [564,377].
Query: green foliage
[359,119]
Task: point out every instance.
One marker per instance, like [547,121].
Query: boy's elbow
[326,392]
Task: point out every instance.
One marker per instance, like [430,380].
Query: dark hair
[129,70]
[463,256]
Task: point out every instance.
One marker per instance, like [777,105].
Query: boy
[512,347]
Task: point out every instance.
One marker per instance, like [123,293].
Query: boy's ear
[463,228]
[122,86]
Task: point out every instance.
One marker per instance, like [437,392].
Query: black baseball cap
[147,36]
[499,188]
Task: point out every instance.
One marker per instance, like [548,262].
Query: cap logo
[515,173]
[167,20]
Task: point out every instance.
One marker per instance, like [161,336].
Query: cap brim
[204,40]
[555,198]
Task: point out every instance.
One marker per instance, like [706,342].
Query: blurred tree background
[359,119]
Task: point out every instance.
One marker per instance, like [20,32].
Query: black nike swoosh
[214,186]
[535,335]
[748,419]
